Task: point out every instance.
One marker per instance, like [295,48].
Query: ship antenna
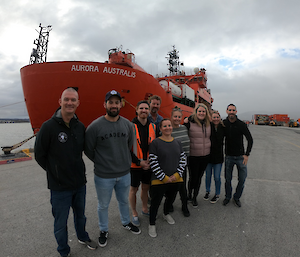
[39,54]
[174,63]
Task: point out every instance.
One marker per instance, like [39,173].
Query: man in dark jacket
[235,130]
[58,150]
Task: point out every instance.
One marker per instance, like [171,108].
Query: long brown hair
[207,116]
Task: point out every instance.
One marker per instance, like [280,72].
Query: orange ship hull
[43,84]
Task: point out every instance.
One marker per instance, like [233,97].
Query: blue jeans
[61,202]
[104,189]
[230,161]
[216,169]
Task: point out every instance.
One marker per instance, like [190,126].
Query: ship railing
[182,73]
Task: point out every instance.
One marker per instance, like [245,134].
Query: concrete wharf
[268,224]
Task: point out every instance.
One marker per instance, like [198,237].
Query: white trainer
[169,219]
[152,231]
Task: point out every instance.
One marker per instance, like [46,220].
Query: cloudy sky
[250,48]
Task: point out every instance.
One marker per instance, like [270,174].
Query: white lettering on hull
[110,70]
[121,72]
[90,68]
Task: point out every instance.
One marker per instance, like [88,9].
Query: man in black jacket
[58,150]
[235,130]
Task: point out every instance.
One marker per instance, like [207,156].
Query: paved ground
[268,224]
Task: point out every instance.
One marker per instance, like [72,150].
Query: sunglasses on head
[176,109]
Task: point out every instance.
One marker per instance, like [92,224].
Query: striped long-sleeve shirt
[182,135]
[166,159]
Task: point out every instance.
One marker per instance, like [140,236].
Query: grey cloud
[205,31]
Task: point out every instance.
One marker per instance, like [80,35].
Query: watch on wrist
[138,163]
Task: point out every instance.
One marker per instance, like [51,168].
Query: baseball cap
[112,93]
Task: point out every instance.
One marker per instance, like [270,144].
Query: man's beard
[232,116]
[143,115]
[154,110]
[114,113]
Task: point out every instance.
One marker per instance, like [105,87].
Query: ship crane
[39,55]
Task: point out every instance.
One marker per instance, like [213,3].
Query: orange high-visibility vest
[136,148]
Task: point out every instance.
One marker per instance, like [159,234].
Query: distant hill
[8,120]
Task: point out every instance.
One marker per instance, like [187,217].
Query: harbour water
[13,133]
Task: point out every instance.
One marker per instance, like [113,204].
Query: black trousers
[183,191]
[197,166]
[157,192]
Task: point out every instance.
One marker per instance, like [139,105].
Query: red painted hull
[43,84]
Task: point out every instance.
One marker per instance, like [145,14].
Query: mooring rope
[11,104]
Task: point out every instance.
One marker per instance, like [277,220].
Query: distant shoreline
[14,121]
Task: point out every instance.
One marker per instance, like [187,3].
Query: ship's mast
[39,55]
[174,63]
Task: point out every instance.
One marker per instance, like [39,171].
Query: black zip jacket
[217,144]
[58,150]
[234,141]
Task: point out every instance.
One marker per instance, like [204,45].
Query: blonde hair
[207,116]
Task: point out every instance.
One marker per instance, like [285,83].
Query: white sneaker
[152,231]
[169,219]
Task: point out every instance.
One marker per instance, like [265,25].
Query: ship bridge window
[184,101]
[176,99]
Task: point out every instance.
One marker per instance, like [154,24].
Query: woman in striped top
[167,161]
[180,133]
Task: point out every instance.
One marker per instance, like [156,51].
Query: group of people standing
[150,151]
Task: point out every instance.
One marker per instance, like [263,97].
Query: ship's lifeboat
[180,91]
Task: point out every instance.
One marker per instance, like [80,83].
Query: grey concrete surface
[268,224]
